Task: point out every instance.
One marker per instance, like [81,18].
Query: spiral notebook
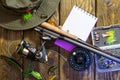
[79,23]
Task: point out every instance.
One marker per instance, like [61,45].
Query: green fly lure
[30,71]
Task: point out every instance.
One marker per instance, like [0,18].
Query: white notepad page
[79,23]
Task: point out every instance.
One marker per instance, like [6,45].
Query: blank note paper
[79,23]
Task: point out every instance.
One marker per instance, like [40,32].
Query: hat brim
[15,22]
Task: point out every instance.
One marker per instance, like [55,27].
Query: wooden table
[107,11]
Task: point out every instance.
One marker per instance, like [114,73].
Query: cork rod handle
[56,29]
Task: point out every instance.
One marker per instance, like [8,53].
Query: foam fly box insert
[107,38]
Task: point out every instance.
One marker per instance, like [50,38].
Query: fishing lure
[111,36]
[27,16]
[52,69]
[12,61]
[16,64]
[33,73]
[51,77]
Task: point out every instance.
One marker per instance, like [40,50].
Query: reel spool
[80,59]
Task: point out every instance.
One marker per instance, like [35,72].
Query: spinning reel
[32,53]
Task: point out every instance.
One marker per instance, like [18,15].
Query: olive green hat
[25,14]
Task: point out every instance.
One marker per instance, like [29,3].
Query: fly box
[107,38]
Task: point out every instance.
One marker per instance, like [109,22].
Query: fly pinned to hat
[25,14]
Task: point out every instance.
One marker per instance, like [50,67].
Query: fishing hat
[25,14]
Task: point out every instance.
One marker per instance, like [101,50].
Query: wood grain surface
[108,13]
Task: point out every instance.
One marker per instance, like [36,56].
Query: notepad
[79,23]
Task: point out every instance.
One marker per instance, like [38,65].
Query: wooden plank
[108,13]
[7,37]
[66,72]
[33,37]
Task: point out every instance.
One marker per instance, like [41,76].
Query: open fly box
[107,38]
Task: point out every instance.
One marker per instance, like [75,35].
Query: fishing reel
[80,59]
[31,52]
